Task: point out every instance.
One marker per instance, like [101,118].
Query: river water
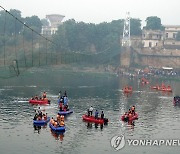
[158,117]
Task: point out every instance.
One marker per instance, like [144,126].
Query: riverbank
[114,71]
[98,71]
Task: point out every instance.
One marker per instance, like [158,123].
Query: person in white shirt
[91,110]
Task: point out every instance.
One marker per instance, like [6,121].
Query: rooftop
[55,18]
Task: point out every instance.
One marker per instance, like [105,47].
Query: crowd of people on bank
[149,72]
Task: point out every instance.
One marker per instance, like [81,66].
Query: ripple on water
[158,118]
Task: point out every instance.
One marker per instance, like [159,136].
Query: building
[152,38]
[54,21]
[170,33]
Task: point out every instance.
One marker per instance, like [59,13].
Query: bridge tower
[126,41]
[125,57]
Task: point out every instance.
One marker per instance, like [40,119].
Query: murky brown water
[158,117]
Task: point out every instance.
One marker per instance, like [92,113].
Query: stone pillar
[125,56]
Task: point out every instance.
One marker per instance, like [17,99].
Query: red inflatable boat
[43,102]
[134,117]
[127,89]
[92,119]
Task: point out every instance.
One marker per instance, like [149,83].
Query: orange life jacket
[61,123]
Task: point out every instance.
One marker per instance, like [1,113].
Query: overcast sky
[96,11]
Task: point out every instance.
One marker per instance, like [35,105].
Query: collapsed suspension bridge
[23,48]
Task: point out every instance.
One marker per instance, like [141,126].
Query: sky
[97,11]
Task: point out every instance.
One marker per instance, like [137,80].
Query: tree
[30,34]
[117,26]
[44,22]
[9,23]
[135,26]
[153,23]
[34,21]
[71,34]
[61,40]
[88,37]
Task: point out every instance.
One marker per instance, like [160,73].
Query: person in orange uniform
[61,123]
[44,95]
[61,106]
[55,124]
[62,118]
[58,119]
[45,99]
[52,121]
[129,116]
[133,110]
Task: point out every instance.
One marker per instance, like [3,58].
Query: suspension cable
[42,36]
[5,38]
[24,48]
[46,52]
[15,39]
[39,50]
[32,49]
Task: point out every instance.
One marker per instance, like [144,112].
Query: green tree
[9,24]
[81,37]
[35,22]
[60,40]
[44,22]
[153,23]
[70,27]
[117,26]
[30,34]
[135,27]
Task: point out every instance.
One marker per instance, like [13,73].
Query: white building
[152,38]
[54,21]
[171,31]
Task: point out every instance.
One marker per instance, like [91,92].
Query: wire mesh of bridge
[22,47]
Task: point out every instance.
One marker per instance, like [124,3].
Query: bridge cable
[24,48]
[5,39]
[15,38]
[32,49]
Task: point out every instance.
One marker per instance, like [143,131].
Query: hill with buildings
[155,45]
